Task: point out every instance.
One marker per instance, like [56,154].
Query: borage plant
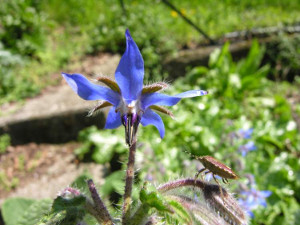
[183,201]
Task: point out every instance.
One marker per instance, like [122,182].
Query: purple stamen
[124,120]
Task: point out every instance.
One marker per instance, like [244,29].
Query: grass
[48,36]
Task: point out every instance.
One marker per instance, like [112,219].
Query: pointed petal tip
[201,92]
[64,74]
[127,34]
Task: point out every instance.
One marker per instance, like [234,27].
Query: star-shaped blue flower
[132,103]
[253,198]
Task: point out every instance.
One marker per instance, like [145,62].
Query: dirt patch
[41,171]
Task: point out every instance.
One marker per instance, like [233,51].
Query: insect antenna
[192,155]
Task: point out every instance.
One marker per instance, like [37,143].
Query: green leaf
[35,212]
[114,182]
[81,183]
[61,203]
[180,211]
[68,211]
[14,208]
[155,200]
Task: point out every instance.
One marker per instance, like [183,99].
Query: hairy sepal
[109,82]
[100,105]
[162,110]
[151,88]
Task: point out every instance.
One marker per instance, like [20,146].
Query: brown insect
[214,166]
[211,165]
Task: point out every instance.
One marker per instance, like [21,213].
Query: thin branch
[169,4]
[123,7]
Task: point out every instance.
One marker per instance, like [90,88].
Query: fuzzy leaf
[35,212]
[80,183]
[153,199]
[180,211]
[61,203]
[68,211]
[13,209]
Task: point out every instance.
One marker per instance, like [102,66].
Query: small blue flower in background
[252,199]
[244,149]
[132,103]
[245,133]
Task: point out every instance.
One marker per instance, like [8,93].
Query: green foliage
[240,97]
[6,183]
[113,183]
[33,214]
[154,200]
[67,211]
[96,146]
[80,183]
[12,87]
[47,35]
[4,143]
[284,55]
[21,26]
[179,211]
[21,211]
[13,208]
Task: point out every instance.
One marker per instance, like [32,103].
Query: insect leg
[196,176]
[199,171]
[220,187]
[225,180]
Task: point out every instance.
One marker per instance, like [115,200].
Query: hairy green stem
[140,214]
[128,183]
[98,209]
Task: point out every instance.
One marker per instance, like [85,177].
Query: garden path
[32,169]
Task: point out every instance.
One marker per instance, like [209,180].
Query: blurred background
[245,53]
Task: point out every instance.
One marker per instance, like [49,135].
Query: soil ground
[41,171]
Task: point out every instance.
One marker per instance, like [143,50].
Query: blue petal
[113,119]
[150,117]
[250,146]
[262,202]
[191,94]
[245,133]
[265,194]
[158,99]
[244,153]
[130,72]
[166,100]
[250,213]
[89,91]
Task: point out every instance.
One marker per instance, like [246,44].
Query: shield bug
[214,166]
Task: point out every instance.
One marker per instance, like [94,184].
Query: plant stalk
[140,214]
[181,183]
[128,182]
[98,207]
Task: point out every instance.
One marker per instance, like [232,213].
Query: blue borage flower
[132,103]
[244,149]
[245,133]
[252,199]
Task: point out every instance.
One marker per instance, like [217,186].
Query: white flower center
[134,107]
